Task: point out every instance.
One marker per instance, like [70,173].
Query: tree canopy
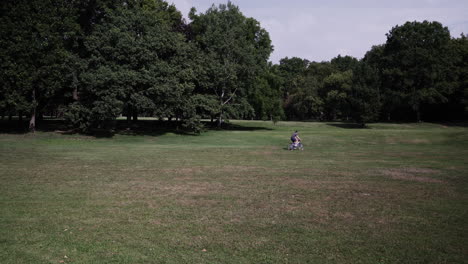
[90,62]
[235,50]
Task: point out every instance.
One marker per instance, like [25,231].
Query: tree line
[91,61]
[420,73]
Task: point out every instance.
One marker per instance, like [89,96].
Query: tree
[345,63]
[34,57]
[235,51]
[361,101]
[416,65]
[138,62]
[292,71]
[456,108]
[292,74]
[336,90]
[304,100]
[364,101]
[265,96]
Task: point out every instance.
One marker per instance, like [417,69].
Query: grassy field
[393,193]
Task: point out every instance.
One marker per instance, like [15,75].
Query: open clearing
[393,193]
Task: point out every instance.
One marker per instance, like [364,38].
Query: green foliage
[137,64]
[92,61]
[364,97]
[291,71]
[336,88]
[298,89]
[265,95]
[458,101]
[235,51]
[416,66]
[34,56]
[345,89]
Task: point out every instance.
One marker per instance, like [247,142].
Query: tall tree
[360,97]
[292,74]
[138,62]
[235,50]
[416,66]
[34,57]
[265,97]
[457,105]
[304,99]
[364,100]
[335,93]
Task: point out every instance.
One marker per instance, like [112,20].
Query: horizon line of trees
[420,73]
[91,61]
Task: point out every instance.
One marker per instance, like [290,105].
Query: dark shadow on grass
[141,127]
[21,127]
[236,127]
[150,128]
[13,127]
[159,128]
[453,124]
[349,125]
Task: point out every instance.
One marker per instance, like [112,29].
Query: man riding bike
[295,137]
[296,142]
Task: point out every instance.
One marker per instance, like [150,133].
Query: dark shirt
[293,136]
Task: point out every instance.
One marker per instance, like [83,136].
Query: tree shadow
[349,125]
[453,124]
[237,127]
[141,127]
[13,127]
[22,127]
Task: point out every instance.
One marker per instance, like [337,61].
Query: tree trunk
[135,116]
[417,111]
[129,114]
[32,121]
[220,119]
[75,94]
[75,87]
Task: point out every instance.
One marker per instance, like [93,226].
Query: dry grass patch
[399,140]
[412,174]
[190,171]
[263,153]
[184,171]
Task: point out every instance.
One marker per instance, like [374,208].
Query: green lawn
[393,193]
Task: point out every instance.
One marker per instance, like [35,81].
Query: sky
[319,30]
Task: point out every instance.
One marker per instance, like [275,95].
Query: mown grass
[393,193]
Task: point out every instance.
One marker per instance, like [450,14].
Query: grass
[393,193]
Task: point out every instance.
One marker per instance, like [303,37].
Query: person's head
[296,131]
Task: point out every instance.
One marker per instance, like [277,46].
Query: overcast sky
[319,30]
